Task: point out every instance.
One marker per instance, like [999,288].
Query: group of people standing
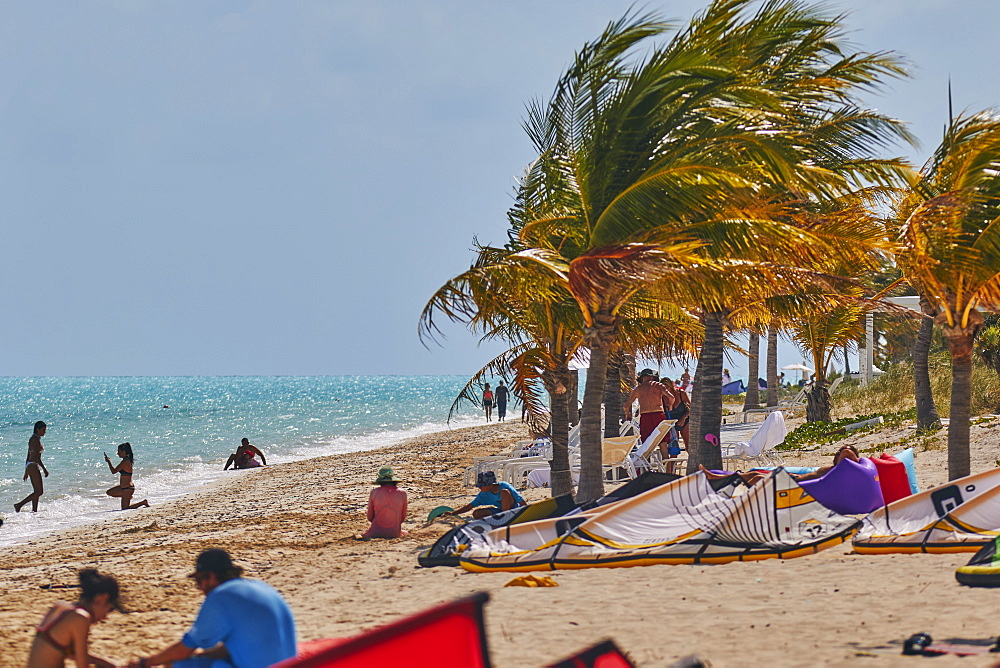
[659,400]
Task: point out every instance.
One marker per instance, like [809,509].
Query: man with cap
[493,497]
[650,392]
[386,507]
[242,623]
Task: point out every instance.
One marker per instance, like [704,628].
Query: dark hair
[93,583]
[39,425]
[127,447]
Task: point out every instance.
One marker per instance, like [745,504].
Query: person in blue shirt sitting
[493,497]
[243,623]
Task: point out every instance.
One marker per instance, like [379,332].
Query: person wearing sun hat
[242,622]
[386,507]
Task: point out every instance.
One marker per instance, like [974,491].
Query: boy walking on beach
[243,622]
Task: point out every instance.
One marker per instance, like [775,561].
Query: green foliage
[820,433]
[893,391]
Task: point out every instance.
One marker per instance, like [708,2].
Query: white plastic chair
[760,448]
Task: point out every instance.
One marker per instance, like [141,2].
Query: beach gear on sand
[602,655]
[921,644]
[386,474]
[983,570]
[532,580]
[446,551]
[437,512]
[681,522]
[849,488]
[960,516]
[892,478]
[447,636]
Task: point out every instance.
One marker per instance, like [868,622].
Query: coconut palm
[634,156]
[951,254]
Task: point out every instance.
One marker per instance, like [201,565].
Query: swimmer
[33,468]
[125,487]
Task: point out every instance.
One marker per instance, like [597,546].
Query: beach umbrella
[797,367]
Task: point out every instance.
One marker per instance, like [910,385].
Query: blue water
[183,429]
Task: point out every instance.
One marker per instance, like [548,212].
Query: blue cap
[486,478]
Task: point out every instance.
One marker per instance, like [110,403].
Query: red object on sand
[602,655]
[448,636]
[891,477]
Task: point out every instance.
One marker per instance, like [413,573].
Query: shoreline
[292,525]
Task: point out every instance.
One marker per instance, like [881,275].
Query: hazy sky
[277,187]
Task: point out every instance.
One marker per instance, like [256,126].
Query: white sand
[293,526]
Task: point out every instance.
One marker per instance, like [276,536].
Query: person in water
[33,468]
[386,507]
[63,633]
[493,497]
[488,402]
[125,487]
[244,457]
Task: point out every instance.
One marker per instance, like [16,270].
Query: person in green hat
[386,507]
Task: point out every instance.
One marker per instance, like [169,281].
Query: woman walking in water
[33,468]
[124,489]
[63,633]
[488,402]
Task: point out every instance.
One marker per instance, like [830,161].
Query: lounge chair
[759,450]
[646,455]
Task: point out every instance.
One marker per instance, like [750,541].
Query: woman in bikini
[33,468]
[64,629]
[125,489]
[488,402]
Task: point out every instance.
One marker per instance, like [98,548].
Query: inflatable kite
[960,516]
[983,570]
[446,550]
[848,488]
[682,522]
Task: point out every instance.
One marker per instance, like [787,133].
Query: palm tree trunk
[704,448]
[599,338]
[927,415]
[557,383]
[960,345]
[772,366]
[818,400]
[752,399]
[847,363]
[614,399]
[573,401]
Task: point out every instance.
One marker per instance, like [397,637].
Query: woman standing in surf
[125,488]
[33,469]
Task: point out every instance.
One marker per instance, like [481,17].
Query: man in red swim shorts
[650,393]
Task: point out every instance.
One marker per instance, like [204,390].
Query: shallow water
[183,429]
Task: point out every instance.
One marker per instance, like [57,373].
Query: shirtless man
[651,394]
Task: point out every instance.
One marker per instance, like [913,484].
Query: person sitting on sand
[242,622]
[756,475]
[33,468]
[125,487]
[63,633]
[493,497]
[243,458]
[386,507]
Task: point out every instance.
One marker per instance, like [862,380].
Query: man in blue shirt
[242,623]
[493,497]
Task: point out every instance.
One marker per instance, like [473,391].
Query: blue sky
[277,187]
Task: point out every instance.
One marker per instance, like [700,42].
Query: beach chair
[645,456]
[614,455]
[759,450]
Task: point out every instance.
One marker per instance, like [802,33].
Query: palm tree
[752,399]
[772,365]
[951,252]
[634,158]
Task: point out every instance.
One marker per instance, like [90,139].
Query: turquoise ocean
[183,429]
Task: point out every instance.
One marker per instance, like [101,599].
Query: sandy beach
[293,526]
